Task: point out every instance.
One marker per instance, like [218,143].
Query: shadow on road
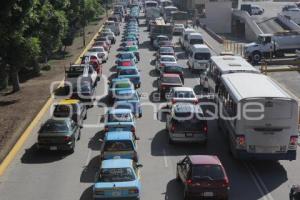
[174,190]
[94,143]
[89,172]
[153,73]
[35,156]
[87,194]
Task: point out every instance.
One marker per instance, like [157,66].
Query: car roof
[120,79]
[68,101]
[119,135]
[182,89]
[162,36]
[170,75]
[118,111]
[116,163]
[205,159]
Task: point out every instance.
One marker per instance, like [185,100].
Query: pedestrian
[198,22]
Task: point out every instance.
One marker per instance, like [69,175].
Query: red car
[203,176]
[101,44]
[125,63]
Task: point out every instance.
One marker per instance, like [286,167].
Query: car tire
[140,115]
[256,57]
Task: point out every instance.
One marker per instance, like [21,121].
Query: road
[57,176]
[266,21]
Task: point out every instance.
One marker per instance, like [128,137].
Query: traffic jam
[244,112]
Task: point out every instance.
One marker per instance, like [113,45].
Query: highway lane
[48,176]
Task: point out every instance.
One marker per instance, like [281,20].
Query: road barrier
[235,48]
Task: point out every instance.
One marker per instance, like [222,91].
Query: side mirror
[139,165]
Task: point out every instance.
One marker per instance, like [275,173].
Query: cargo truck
[272,45]
[159,27]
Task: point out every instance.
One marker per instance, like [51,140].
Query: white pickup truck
[275,45]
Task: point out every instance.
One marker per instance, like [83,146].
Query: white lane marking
[88,158]
[255,182]
[165,158]
[264,187]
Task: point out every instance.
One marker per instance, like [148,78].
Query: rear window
[167,59]
[184,94]
[126,56]
[123,85]
[118,145]
[64,110]
[207,172]
[166,50]
[124,117]
[171,80]
[173,69]
[54,127]
[202,56]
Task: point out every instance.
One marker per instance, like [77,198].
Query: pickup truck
[79,73]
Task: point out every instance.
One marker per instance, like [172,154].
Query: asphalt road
[266,21]
[58,176]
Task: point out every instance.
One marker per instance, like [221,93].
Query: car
[85,59]
[182,94]
[185,123]
[104,39]
[100,50]
[118,178]
[165,51]
[158,39]
[178,29]
[97,66]
[125,63]
[126,56]
[128,43]
[77,74]
[118,84]
[111,36]
[71,108]
[203,176]
[132,73]
[166,82]
[134,49]
[85,92]
[171,68]
[257,10]
[58,134]
[130,38]
[119,120]
[289,7]
[121,144]
[164,59]
[102,44]
[129,99]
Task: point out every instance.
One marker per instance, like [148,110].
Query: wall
[218,16]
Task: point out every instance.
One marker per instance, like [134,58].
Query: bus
[179,17]
[259,117]
[227,64]
[167,12]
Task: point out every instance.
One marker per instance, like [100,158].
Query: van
[199,57]
[193,38]
[184,35]
[113,26]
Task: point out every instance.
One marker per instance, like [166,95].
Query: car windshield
[126,56]
[116,175]
[210,172]
[54,127]
[167,59]
[184,94]
[64,110]
[196,41]
[122,85]
[123,117]
[202,56]
[96,50]
[118,145]
[166,50]
[128,72]
[162,39]
[171,80]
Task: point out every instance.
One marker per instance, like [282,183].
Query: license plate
[189,134]
[53,148]
[208,194]
[116,193]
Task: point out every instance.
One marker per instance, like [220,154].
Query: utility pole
[83,22]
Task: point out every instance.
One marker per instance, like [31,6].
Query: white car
[182,94]
[111,36]
[178,29]
[257,10]
[101,50]
[85,59]
[163,60]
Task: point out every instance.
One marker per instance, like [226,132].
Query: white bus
[227,64]
[270,130]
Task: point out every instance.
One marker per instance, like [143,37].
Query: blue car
[129,99]
[118,84]
[119,120]
[126,56]
[132,73]
[121,144]
[118,179]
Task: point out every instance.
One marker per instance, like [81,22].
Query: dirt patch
[18,109]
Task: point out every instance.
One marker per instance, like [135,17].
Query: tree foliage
[31,30]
